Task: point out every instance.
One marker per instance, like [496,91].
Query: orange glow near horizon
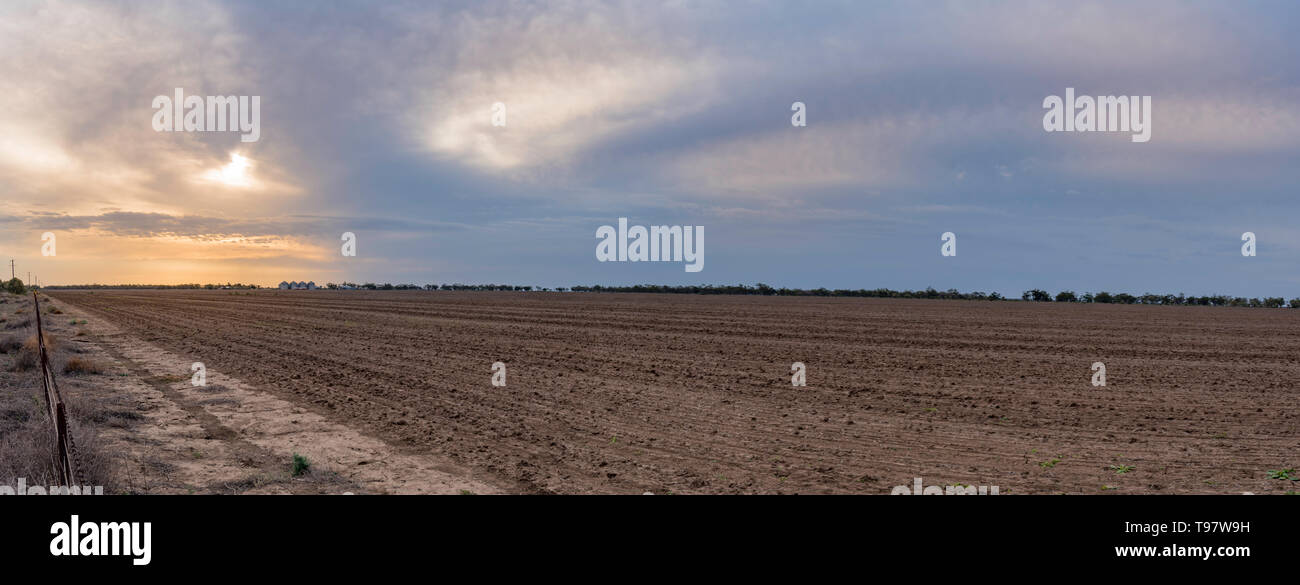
[94,258]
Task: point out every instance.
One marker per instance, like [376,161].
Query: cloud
[569,76]
[377,120]
[77,85]
[200,228]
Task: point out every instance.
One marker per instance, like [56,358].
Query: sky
[921,118]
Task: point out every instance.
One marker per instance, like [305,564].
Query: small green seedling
[1287,474]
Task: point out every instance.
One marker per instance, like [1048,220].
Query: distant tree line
[191,286]
[1067,296]
[1038,295]
[763,289]
[457,286]
[1035,295]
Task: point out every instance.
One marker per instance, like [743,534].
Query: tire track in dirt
[248,454]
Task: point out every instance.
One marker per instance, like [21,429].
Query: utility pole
[11,269]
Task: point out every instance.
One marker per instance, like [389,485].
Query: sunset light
[238,173]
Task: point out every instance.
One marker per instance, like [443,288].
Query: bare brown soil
[623,393]
[157,432]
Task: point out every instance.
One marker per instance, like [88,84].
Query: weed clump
[300,465]
[78,365]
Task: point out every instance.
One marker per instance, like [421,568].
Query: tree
[1036,295]
[15,286]
[1066,296]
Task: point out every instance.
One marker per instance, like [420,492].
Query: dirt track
[622,393]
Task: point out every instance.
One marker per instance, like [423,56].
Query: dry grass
[27,446]
[25,360]
[80,365]
[22,323]
[29,354]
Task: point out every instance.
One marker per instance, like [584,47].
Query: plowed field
[626,393]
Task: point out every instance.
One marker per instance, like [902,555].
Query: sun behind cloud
[238,173]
